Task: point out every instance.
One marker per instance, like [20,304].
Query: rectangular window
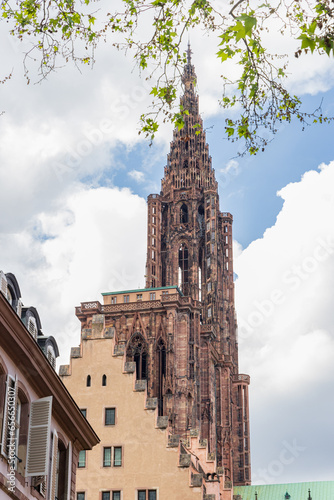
[81,496]
[126,298]
[153,242]
[152,296]
[107,456]
[139,296]
[154,220]
[153,254]
[208,262]
[153,270]
[116,495]
[164,293]
[105,495]
[84,412]
[209,286]
[109,416]
[114,300]
[209,312]
[147,495]
[154,210]
[117,456]
[82,459]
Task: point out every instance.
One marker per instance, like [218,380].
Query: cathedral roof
[319,490]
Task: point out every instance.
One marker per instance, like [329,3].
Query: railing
[241,378]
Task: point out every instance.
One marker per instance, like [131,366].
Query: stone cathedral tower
[190,245]
[177,339]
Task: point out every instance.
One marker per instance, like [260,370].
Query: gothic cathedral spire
[190,246]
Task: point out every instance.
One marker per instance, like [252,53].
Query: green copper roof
[139,290]
[320,490]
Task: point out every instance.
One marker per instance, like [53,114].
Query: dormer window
[50,354]
[32,327]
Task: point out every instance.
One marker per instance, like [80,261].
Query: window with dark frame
[84,412]
[105,495]
[82,459]
[81,495]
[107,456]
[116,495]
[147,495]
[117,456]
[109,416]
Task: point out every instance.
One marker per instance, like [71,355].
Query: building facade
[179,334]
[42,429]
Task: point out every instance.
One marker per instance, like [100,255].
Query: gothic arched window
[137,352]
[161,354]
[184,214]
[183,269]
[104,380]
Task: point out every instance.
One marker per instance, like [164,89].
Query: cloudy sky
[74,177]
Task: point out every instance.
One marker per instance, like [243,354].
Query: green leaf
[249,23]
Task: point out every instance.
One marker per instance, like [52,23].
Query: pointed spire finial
[189,52]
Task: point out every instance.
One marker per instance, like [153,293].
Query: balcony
[241,378]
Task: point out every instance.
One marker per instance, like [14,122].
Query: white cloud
[231,167]
[94,242]
[137,175]
[284,297]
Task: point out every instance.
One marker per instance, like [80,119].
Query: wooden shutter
[10,402]
[3,283]
[38,448]
[53,472]
[68,472]
[39,482]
